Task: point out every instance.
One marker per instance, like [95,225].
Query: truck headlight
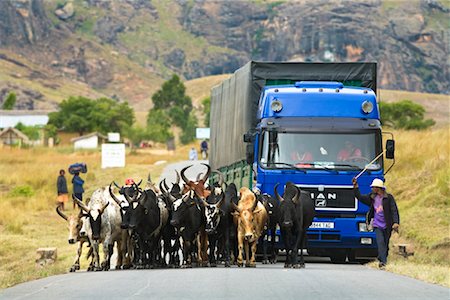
[362,227]
[276,105]
[367,107]
[366,241]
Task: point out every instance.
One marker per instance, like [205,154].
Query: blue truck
[314,124]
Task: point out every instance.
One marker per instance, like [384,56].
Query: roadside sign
[113,155]
[202,133]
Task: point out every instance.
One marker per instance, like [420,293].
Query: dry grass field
[28,199]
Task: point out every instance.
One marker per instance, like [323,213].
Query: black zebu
[296,215]
[145,222]
[218,221]
[272,206]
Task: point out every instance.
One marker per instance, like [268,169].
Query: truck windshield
[344,151]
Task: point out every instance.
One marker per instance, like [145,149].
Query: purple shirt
[378,216]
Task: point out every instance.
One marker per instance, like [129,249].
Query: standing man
[204,149]
[61,187]
[384,212]
[77,186]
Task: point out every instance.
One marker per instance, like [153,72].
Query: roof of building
[15,131]
[86,136]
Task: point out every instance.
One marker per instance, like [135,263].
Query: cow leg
[301,242]
[107,251]
[287,245]
[240,250]
[186,254]
[203,248]
[226,252]
[273,257]
[253,258]
[96,259]
[247,254]
[120,254]
[265,242]
[76,263]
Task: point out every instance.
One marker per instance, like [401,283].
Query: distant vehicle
[266,111]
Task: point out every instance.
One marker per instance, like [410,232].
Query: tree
[174,107]
[207,109]
[80,114]
[188,134]
[10,101]
[158,125]
[32,132]
[404,114]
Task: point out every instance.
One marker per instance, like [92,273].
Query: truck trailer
[267,115]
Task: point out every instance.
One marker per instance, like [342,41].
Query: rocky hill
[125,49]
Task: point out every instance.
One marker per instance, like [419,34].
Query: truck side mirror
[249,156]
[248,137]
[390,149]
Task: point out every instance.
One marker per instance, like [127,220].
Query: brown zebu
[250,216]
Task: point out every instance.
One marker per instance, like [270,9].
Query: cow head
[197,186]
[213,212]
[287,204]
[244,213]
[95,214]
[140,207]
[74,224]
[180,209]
[169,195]
[124,207]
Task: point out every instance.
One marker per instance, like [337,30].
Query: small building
[89,141]
[12,137]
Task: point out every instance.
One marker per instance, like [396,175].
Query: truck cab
[320,135]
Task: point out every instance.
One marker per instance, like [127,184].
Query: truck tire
[338,257]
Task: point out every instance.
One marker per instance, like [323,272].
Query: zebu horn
[184,176]
[207,173]
[165,185]
[58,210]
[161,187]
[235,207]
[112,194]
[276,193]
[81,204]
[103,207]
[178,177]
[117,186]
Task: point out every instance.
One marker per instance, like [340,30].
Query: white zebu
[103,226]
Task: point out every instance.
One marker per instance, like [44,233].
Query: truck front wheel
[338,257]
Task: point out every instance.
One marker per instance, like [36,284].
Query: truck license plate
[322,225]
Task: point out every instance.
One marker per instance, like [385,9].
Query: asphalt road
[319,280]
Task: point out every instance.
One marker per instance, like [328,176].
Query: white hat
[378,183]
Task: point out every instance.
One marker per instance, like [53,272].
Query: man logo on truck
[321,200]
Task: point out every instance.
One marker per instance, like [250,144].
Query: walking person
[61,188]
[384,212]
[77,187]
[204,149]
[193,154]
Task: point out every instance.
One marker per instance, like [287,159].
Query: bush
[22,190]
[404,114]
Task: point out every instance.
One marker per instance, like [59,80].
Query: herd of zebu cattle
[209,223]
